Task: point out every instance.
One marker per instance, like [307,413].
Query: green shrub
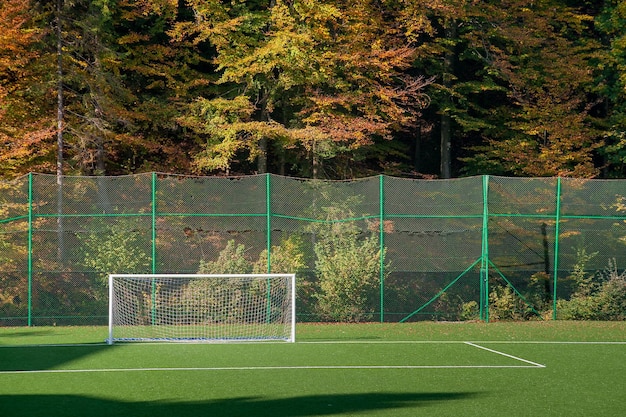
[122,248]
[288,258]
[202,297]
[231,260]
[470,311]
[600,297]
[505,304]
[348,273]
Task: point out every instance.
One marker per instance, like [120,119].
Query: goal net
[201,308]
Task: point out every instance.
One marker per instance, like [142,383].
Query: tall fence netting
[373,249]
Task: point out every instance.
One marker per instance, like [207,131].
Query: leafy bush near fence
[595,295]
[231,260]
[116,249]
[601,296]
[344,283]
[348,270]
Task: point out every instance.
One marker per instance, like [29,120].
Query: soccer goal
[202,307]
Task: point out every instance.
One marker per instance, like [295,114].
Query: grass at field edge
[579,331]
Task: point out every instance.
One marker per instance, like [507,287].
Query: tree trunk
[262,159]
[60,112]
[417,152]
[265,117]
[446,119]
[446,139]
[314,162]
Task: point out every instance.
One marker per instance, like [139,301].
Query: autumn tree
[319,79]
[122,79]
[161,76]
[327,88]
[539,53]
[26,126]
[611,83]
[449,36]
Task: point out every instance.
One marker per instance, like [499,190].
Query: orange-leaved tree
[540,55]
[26,121]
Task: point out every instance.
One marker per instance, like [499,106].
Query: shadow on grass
[25,333]
[303,406]
[30,358]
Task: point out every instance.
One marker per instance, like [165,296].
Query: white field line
[328,342]
[538,365]
[497,342]
[264,368]
[551,342]
[306,367]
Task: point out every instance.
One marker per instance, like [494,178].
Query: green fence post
[154,216]
[30,248]
[268,222]
[381,232]
[484,264]
[154,253]
[557,218]
[268,244]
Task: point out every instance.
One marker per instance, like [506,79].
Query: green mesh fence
[374,249]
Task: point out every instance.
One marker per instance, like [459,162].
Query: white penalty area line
[330,342]
[266,368]
[443,342]
[534,364]
[529,364]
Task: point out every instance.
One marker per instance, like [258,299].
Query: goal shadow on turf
[301,406]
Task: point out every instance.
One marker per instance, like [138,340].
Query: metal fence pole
[153,225]
[30,248]
[484,263]
[153,190]
[268,245]
[557,225]
[381,232]
[268,223]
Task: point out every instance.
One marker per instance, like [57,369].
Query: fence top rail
[190,176]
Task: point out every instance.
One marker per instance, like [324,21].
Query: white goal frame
[288,315]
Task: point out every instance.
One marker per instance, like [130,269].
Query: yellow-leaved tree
[303,81]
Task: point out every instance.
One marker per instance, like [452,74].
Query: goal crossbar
[201,307]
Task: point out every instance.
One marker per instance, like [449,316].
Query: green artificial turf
[410,369]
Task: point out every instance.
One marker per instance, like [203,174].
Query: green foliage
[611,25]
[288,258]
[598,297]
[121,248]
[450,307]
[528,88]
[285,258]
[231,260]
[470,311]
[321,78]
[348,270]
[583,281]
[505,304]
[347,264]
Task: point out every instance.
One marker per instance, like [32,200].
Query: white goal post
[202,307]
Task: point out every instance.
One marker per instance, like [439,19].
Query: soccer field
[410,369]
